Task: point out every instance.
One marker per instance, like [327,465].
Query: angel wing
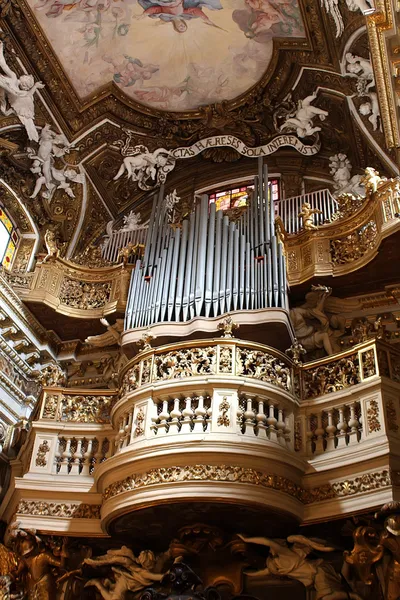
[109,338]
[332,8]
[311,543]
[8,561]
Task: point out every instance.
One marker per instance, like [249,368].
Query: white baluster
[319,432]
[66,455]
[310,435]
[187,414]
[261,421]
[342,428]
[200,413]
[163,418]
[330,430]
[249,417]
[98,454]
[280,427]
[75,463]
[271,422]
[175,415]
[86,458]
[208,415]
[353,424]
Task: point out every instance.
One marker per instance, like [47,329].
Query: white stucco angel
[131,573]
[302,121]
[362,68]
[144,166]
[290,559]
[344,182]
[110,337]
[17,96]
[332,8]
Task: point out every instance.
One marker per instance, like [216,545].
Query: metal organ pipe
[210,264]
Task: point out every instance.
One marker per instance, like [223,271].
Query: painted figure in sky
[179,12]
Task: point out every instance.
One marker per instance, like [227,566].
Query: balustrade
[330,428]
[80,455]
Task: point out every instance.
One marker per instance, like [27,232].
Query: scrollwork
[83,294]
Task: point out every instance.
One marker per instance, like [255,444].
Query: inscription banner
[231,141]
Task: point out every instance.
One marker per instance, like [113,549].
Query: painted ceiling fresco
[170,54]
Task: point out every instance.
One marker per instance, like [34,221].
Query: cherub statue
[129,250]
[52,248]
[344,183]
[111,337]
[144,165]
[372,180]
[302,121]
[307,215]
[18,93]
[362,68]
[131,573]
[131,222]
[290,559]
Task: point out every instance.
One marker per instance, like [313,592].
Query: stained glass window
[8,240]
[239,196]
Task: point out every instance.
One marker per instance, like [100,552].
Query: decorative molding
[236,474]
[38,508]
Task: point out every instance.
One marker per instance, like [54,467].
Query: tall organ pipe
[210,264]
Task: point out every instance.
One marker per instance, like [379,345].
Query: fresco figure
[178,12]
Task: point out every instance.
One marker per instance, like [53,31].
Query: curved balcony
[215,421]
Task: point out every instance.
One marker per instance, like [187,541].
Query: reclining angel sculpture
[17,96]
[131,573]
[290,559]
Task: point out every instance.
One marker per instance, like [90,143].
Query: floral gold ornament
[53,509]
[145,341]
[227,326]
[296,351]
[41,456]
[373,422]
[223,418]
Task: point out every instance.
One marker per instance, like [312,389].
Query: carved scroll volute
[367,551]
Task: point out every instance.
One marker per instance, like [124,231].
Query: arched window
[238,196]
[8,239]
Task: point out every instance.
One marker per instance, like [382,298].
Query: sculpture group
[46,568]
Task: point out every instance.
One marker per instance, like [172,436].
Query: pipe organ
[209,264]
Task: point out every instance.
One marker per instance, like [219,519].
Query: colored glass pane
[5,221]
[7,260]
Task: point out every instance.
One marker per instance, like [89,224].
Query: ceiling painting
[174,55]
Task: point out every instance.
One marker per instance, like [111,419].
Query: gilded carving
[355,245]
[225,360]
[263,366]
[84,294]
[223,417]
[331,377]
[231,473]
[60,510]
[373,417]
[41,456]
[86,409]
[140,417]
[368,363]
[185,363]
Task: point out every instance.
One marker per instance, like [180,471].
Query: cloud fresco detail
[171,54]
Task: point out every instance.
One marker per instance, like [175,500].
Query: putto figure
[149,169]
[307,214]
[17,96]
[302,119]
